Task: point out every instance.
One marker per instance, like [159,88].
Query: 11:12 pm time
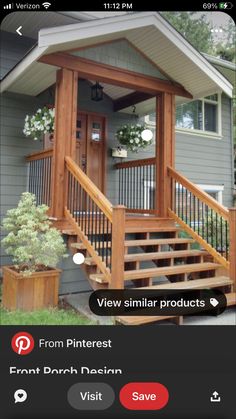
[118,6]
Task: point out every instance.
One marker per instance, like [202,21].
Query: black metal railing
[202,214]
[137,185]
[91,219]
[39,177]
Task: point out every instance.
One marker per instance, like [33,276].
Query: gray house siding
[13,48]
[14,148]
[209,160]
[121,54]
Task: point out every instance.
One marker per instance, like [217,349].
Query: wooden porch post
[64,135]
[118,247]
[232,246]
[165,151]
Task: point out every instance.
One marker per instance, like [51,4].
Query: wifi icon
[46,5]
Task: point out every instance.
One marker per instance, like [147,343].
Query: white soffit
[147,31]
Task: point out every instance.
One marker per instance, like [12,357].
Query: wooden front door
[91,147]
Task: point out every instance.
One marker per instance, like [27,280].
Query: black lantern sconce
[96,92]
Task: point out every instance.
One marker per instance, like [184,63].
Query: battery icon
[226,5]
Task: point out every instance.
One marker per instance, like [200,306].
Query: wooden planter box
[34,292]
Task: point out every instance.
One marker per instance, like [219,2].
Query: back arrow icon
[18,30]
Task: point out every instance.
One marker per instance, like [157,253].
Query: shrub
[31,241]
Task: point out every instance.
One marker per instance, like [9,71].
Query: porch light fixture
[96,92]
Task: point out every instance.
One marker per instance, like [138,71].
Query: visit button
[144,396]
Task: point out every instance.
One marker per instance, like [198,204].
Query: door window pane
[96,131]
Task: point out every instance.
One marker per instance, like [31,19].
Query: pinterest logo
[22,343]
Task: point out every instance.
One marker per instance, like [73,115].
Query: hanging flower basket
[42,122]
[131,136]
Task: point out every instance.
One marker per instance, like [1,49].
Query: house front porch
[137,239]
[139,220]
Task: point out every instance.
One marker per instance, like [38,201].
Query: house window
[215,191]
[203,115]
[200,115]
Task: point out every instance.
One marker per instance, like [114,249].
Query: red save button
[144,396]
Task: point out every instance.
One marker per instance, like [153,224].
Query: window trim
[218,189]
[200,132]
[219,118]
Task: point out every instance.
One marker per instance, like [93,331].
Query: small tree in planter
[36,248]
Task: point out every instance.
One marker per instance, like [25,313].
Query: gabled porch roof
[147,31]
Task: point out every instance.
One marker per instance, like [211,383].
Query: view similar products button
[144,396]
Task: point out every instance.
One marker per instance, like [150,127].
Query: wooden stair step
[162,271]
[81,246]
[213,282]
[170,270]
[153,242]
[231,298]
[139,320]
[100,278]
[148,217]
[173,254]
[89,261]
[69,232]
[150,229]
[142,257]
[144,242]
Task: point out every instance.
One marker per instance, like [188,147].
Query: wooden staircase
[140,242]
[157,257]
[126,248]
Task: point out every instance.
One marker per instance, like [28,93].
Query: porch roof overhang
[147,31]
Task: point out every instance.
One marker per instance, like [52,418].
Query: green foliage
[40,123]
[131,137]
[226,50]
[197,30]
[31,241]
[47,317]
[184,235]
[218,232]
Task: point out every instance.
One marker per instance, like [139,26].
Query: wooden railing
[100,227]
[39,177]
[201,216]
[137,185]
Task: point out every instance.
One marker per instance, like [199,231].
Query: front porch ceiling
[149,32]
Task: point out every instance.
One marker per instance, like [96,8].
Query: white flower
[131,141]
[41,122]
[136,140]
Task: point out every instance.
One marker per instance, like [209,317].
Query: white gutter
[16,72]
[220,62]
